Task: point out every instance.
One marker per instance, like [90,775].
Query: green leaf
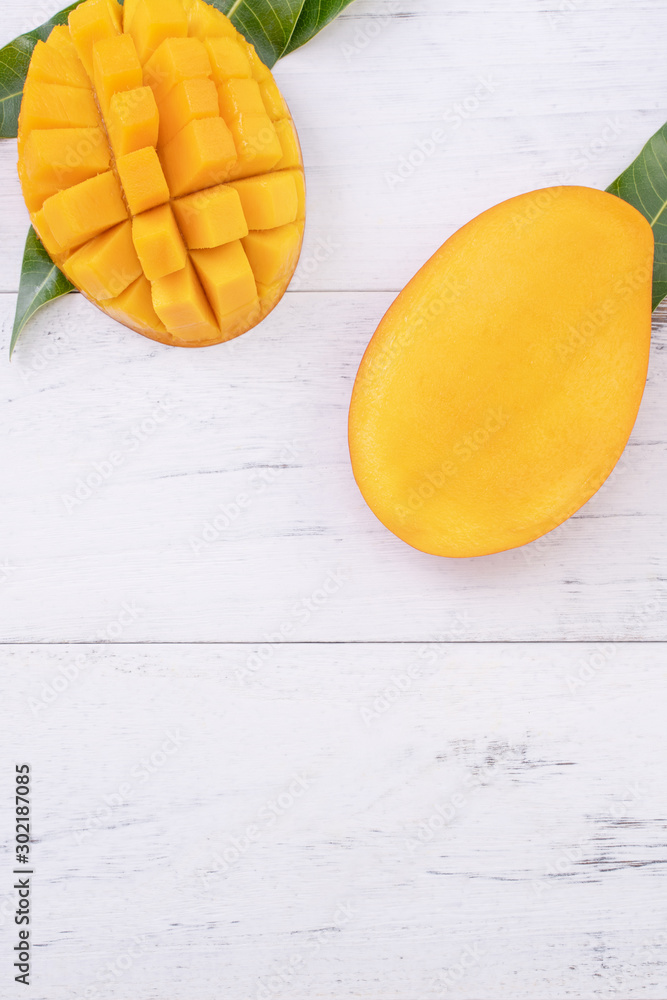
[14,62]
[277,27]
[41,282]
[316,14]
[644,185]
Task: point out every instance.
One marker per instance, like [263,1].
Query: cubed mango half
[149,141]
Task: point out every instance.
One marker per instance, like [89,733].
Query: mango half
[500,389]
[161,168]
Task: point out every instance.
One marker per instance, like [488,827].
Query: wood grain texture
[221,500]
[198,832]
[321,791]
[380,80]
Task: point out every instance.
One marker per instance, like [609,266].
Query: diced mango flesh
[133,121]
[143,181]
[274,102]
[187,102]
[176,60]
[257,144]
[82,212]
[273,253]
[201,155]
[153,22]
[228,278]
[228,59]
[107,265]
[116,68]
[158,243]
[166,208]
[46,236]
[205,21]
[56,159]
[240,97]
[289,142]
[89,24]
[268,201]
[181,304]
[50,65]
[134,307]
[57,106]
[210,218]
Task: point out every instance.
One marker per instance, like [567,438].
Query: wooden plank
[213,490]
[489,831]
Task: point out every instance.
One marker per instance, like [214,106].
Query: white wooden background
[469,754]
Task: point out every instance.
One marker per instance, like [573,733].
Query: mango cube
[289,142]
[181,304]
[202,154]
[227,279]
[143,181]
[54,159]
[228,58]
[274,102]
[50,65]
[259,70]
[135,306]
[116,68]
[106,266]
[129,10]
[210,218]
[133,121]
[60,40]
[240,97]
[90,23]
[54,106]
[300,182]
[205,21]
[187,102]
[273,253]
[268,201]
[153,21]
[257,144]
[158,243]
[81,212]
[43,230]
[175,60]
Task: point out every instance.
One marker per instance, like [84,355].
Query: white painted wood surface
[506,811]
[227,522]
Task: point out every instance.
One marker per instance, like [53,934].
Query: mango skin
[501,387]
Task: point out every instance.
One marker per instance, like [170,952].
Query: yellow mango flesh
[187,102]
[500,389]
[135,119]
[143,180]
[158,242]
[116,68]
[86,210]
[51,65]
[210,218]
[106,265]
[228,280]
[56,106]
[56,159]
